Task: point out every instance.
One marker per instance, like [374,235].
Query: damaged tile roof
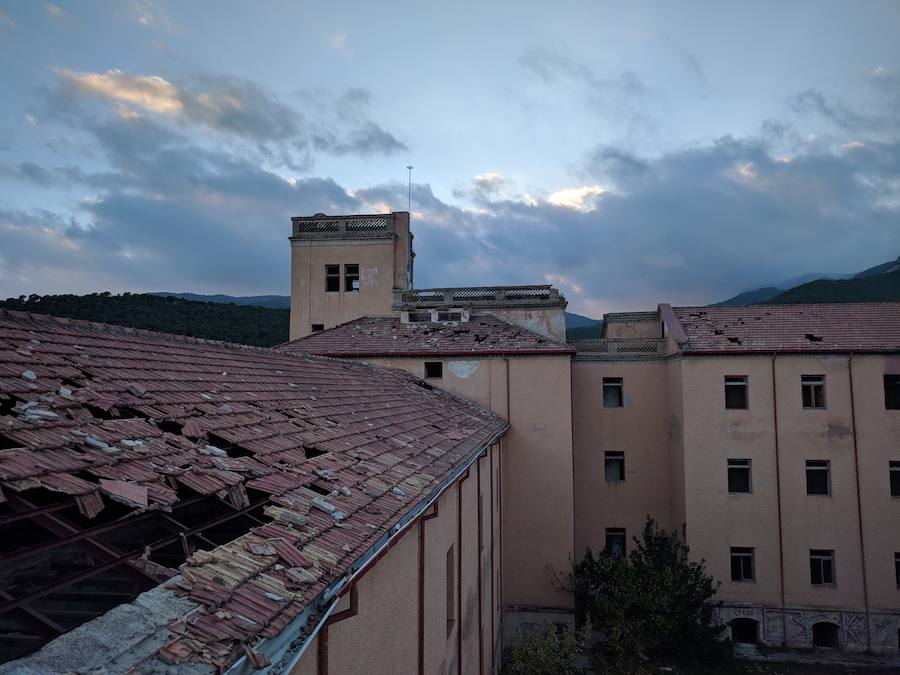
[849,327]
[483,334]
[339,453]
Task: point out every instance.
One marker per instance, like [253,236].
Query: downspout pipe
[434,514]
[862,543]
[778,494]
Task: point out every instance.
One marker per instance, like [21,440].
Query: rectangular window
[614,465]
[351,278]
[897,568]
[451,590]
[612,392]
[821,567]
[742,567]
[317,327]
[615,541]
[892,392]
[813,388]
[449,316]
[894,470]
[739,476]
[818,477]
[419,317]
[735,392]
[332,278]
[434,369]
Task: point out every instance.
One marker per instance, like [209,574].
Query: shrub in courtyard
[554,653]
[652,604]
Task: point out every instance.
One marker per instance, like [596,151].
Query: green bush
[652,604]
[554,653]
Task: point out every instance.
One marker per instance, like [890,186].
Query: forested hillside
[245,324]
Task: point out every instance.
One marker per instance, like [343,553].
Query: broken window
[351,278]
[742,564]
[332,278]
[894,470]
[813,387]
[818,477]
[615,542]
[735,392]
[419,317]
[612,392]
[739,476]
[892,392]
[821,567]
[451,590]
[317,327]
[434,369]
[614,465]
[449,316]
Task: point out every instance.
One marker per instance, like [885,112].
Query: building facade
[768,433]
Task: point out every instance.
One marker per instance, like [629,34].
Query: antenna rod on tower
[409,169]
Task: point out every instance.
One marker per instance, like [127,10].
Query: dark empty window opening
[821,567]
[894,471]
[897,568]
[419,317]
[614,466]
[818,477]
[351,278]
[825,634]
[745,631]
[612,392]
[742,564]
[615,542]
[739,480]
[813,388]
[332,278]
[434,370]
[317,327]
[736,392]
[449,316]
[892,392]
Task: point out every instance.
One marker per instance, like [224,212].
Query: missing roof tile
[813,338]
[734,340]
[311,451]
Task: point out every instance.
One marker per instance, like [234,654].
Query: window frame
[894,478]
[897,567]
[615,532]
[432,367]
[738,381]
[821,556]
[615,387]
[618,457]
[332,274]
[826,468]
[350,277]
[891,391]
[731,463]
[742,554]
[812,384]
[316,327]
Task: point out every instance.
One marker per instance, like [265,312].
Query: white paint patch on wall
[368,277]
[462,369]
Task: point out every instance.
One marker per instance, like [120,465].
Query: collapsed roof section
[266,477]
[480,335]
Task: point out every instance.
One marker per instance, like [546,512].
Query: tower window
[351,278]
[332,278]
[735,392]
[813,387]
[614,466]
[612,392]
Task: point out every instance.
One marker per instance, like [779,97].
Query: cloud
[5,19]
[147,14]
[338,41]
[554,66]
[580,199]
[237,108]
[57,14]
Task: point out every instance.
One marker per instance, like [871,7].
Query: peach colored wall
[549,322]
[383,637]
[640,429]
[633,329]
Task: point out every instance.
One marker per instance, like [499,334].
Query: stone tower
[344,267]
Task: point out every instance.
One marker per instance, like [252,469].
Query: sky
[628,153]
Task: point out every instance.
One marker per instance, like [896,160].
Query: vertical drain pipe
[862,544]
[459,581]
[778,493]
[480,510]
[433,514]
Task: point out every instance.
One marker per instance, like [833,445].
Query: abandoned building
[395,489]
